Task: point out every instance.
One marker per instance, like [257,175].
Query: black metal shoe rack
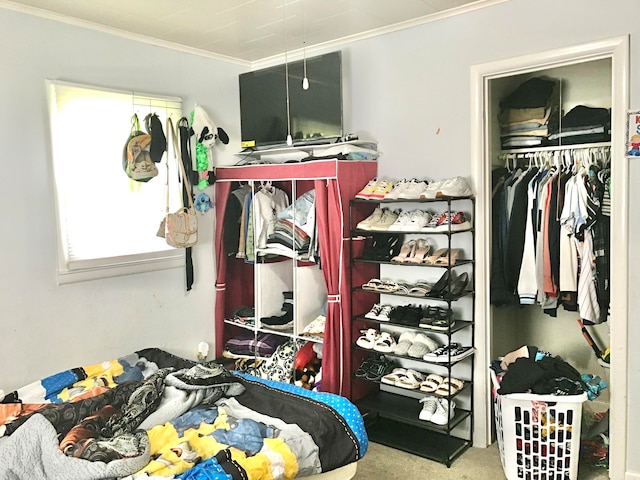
[392,413]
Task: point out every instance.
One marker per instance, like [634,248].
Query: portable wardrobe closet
[335,182]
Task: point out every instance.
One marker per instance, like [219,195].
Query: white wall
[45,328]
[408,90]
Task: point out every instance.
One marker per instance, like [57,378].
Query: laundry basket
[538,435]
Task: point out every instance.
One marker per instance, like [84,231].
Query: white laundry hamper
[538,435]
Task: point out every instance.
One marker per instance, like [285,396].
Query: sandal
[410,380]
[422,344]
[406,252]
[448,258]
[368,338]
[420,252]
[384,343]
[431,383]
[374,284]
[393,377]
[433,258]
[420,289]
[449,387]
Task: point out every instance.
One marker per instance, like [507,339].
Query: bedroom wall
[45,328]
[408,90]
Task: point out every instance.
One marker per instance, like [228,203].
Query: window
[107,223]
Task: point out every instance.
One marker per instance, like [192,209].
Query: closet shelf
[557,148]
[282,333]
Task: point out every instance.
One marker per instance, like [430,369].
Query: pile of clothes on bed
[151,414]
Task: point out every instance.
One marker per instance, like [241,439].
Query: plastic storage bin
[538,435]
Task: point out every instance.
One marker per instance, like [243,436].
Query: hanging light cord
[286,72]
[305,80]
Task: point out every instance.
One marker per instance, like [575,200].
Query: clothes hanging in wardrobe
[551,238]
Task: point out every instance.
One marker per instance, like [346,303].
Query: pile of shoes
[418,220]
[448,286]
[413,189]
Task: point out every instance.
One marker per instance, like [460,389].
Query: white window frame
[159,255]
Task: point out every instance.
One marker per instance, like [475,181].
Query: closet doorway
[607,62]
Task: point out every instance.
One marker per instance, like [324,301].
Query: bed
[151,414]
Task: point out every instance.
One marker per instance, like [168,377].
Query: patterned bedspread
[154,415]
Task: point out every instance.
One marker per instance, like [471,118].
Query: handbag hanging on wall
[181,226]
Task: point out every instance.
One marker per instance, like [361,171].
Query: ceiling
[246,31]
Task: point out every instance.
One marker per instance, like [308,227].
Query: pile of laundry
[531,370]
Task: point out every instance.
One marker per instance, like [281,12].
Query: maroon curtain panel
[221,195]
[330,220]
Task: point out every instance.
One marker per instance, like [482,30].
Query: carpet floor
[382,463]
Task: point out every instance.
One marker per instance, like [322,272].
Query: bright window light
[107,223]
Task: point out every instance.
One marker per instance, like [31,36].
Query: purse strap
[178,156]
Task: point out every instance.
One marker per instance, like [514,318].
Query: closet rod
[557,148]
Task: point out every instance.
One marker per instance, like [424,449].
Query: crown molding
[255,64]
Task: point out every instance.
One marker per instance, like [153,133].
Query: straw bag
[181,226]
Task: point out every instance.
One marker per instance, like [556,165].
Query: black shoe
[456,288]
[440,286]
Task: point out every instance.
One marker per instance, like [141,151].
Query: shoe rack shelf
[392,412]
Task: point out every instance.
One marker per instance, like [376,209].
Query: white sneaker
[387,219]
[432,190]
[397,189]
[373,218]
[373,313]
[383,314]
[429,406]
[445,410]
[401,222]
[419,219]
[413,190]
[449,353]
[382,188]
[455,187]
[368,189]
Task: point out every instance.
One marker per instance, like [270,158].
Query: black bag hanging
[184,133]
[158,139]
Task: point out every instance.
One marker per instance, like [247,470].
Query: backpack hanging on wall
[136,157]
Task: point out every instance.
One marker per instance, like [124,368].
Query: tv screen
[315,114]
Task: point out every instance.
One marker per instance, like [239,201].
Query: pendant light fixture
[286,72]
[305,80]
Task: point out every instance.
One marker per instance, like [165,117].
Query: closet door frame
[617,49]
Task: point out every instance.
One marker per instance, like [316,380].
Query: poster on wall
[633,134]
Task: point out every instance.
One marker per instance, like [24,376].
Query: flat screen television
[315,113]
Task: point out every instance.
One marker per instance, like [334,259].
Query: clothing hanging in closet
[551,233]
[265,218]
